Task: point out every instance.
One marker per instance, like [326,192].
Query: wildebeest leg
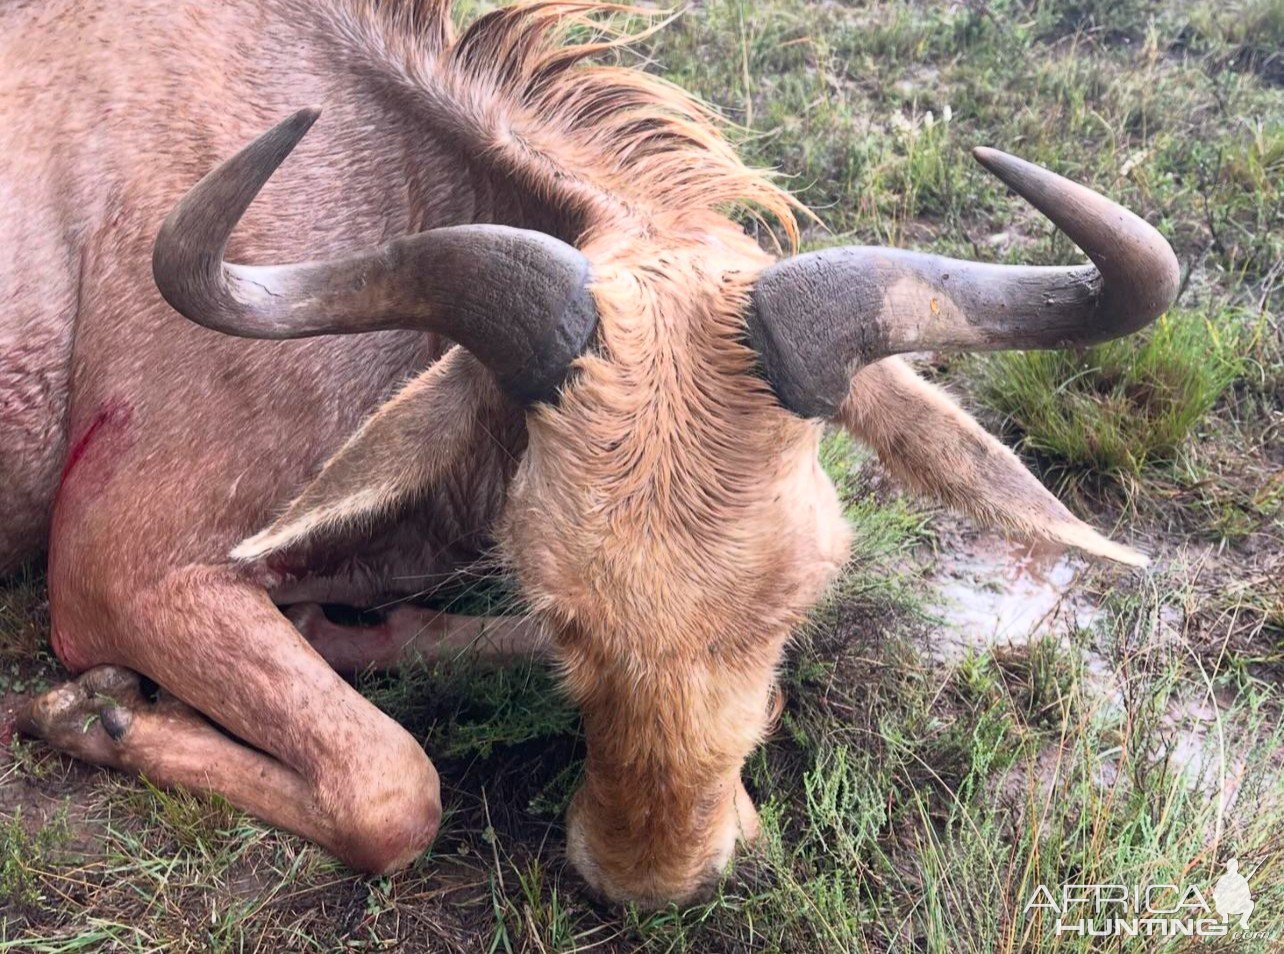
[103,717]
[328,765]
[412,634]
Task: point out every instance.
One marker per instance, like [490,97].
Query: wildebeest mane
[524,88]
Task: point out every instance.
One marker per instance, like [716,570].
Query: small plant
[21,855]
[196,823]
[1115,18]
[1122,405]
[1251,31]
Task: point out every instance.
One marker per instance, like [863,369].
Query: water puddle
[992,593]
[1201,747]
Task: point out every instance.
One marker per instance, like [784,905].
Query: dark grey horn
[518,300]
[817,318]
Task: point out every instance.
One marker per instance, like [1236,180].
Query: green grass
[909,802]
[1116,408]
[23,853]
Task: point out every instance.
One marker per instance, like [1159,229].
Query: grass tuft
[23,853]
[1120,406]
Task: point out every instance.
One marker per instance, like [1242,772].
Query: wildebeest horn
[817,318]
[516,299]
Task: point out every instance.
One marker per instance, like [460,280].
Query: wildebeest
[629,413]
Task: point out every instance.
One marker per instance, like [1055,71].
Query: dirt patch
[994,594]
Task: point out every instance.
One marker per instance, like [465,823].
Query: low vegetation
[913,797]
[1115,408]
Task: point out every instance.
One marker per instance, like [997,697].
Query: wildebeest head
[669,521]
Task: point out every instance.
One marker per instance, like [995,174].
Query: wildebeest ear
[405,447]
[933,446]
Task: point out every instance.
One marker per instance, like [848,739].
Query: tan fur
[672,525]
[383,466]
[658,522]
[601,142]
[668,521]
[928,442]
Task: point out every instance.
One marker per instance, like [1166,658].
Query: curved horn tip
[296,126]
[304,118]
[278,142]
[1128,249]
[1002,164]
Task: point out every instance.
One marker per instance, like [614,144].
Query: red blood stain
[107,416]
[109,420]
[68,652]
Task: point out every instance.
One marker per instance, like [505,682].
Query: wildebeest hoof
[50,708]
[112,682]
[116,721]
[88,716]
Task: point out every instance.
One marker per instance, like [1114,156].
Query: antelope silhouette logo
[1231,894]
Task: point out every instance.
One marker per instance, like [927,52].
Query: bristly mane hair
[601,141]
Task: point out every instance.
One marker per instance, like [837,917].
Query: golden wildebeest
[629,412]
